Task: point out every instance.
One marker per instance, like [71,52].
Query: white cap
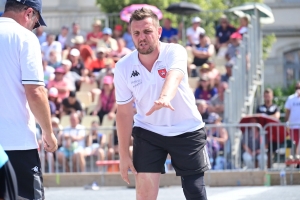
[79,39]
[74,52]
[66,62]
[53,92]
[196,20]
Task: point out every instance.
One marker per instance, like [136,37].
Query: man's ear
[159,29]
[28,13]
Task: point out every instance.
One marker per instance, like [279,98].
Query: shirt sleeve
[31,62]
[177,59]
[122,92]
[288,104]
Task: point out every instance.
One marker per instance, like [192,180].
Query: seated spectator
[93,37]
[53,99]
[62,37]
[77,64]
[54,60]
[73,145]
[174,39]
[205,91]
[48,72]
[118,32]
[203,51]
[107,41]
[168,31]
[107,101]
[193,32]
[74,32]
[96,142]
[51,46]
[72,77]
[204,70]
[216,140]
[41,34]
[251,147]
[101,61]
[86,52]
[223,32]
[60,83]
[244,21]
[128,38]
[122,50]
[202,108]
[216,103]
[225,77]
[70,105]
[268,107]
[232,50]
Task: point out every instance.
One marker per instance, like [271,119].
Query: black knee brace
[193,187]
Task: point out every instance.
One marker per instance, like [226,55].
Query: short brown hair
[144,13]
[268,91]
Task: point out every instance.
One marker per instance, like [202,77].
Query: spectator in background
[52,92]
[70,105]
[122,50]
[168,31]
[62,37]
[75,32]
[53,97]
[268,107]
[223,32]
[107,101]
[72,77]
[233,47]
[213,74]
[86,52]
[205,91]
[203,51]
[202,108]
[60,83]
[54,59]
[77,64]
[48,72]
[292,116]
[128,38]
[107,41]
[193,32]
[51,45]
[244,21]
[97,65]
[41,34]
[118,32]
[174,39]
[93,37]
[73,144]
[217,102]
[225,77]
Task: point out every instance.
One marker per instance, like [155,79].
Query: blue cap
[36,5]
[107,31]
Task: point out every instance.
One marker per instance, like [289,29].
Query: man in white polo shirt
[167,119]
[23,96]
[292,114]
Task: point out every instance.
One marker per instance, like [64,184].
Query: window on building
[291,66]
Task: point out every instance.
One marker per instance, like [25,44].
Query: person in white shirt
[193,32]
[51,45]
[23,96]
[292,114]
[167,119]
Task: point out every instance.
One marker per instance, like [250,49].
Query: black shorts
[8,182]
[27,166]
[187,151]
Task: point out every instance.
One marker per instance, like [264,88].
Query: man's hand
[160,103]
[50,142]
[125,164]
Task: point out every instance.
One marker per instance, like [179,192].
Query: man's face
[145,35]
[224,23]
[59,76]
[202,107]
[72,100]
[167,23]
[75,28]
[268,97]
[32,19]
[74,120]
[229,70]
[100,55]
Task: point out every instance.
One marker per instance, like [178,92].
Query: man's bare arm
[170,87]
[287,114]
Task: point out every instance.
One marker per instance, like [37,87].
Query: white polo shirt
[20,63]
[293,104]
[134,81]
[194,34]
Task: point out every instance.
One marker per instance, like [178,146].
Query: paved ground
[175,193]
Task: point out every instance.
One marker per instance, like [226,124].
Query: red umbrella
[126,12]
[275,131]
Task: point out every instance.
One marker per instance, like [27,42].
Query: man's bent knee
[194,187]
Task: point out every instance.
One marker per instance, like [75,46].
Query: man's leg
[193,187]
[147,185]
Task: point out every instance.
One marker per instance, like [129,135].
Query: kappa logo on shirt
[134,73]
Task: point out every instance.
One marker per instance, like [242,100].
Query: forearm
[39,106]
[287,115]
[124,130]
[114,108]
[171,84]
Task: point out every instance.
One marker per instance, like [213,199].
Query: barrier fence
[230,147]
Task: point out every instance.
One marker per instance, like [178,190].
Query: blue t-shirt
[168,33]
[205,95]
[3,157]
[129,42]
[224,35]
